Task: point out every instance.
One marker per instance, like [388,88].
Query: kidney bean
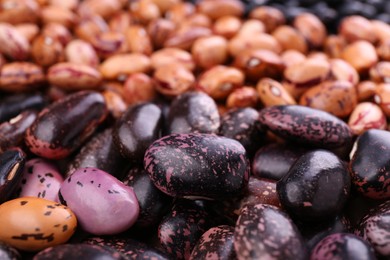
[169,56]
[11,169]
[218,9]
[20,77]
[194,21]
[136,130]
[47,51]
[120,21]
[251,27]
[13,105]
[361,55]
[81,52]
[109,43]
[242,97]
[103,8]
[312,28]
[89,27]
[58,32]
[159,31]
[290,38]
[367,115]
[64,125]
[366,90]
[271,17]
[354,28]
[12,132]
[193,112]
[227,26]
[342,70]
[13,44]
[306,125]
[272,93]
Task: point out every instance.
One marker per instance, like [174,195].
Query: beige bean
[334,46]
[382,97]
[380,72]
[19,11]
[185,39]
[381,30]
[167,56]
[336,97]
[270,16]
[311,27]
[159,31]
[173,80]
[272,93]
[217,9]
[47,51]
[54,14]
[122,65]
[120,22]
[341,70]
[13,44]
[57,31]
[180,12]
[115,103]
[366,116]
[227,26]
[195,20]
[68,4]
[138,40]
[21,76]
[165,5]
[103,8]
[301,76]
[81,52]
[355,27]
[257,64]
[109,43]
[139,87]
[317,55]
[89,28]
[72,76]
[239,43]
[242,97]
[290,38]
[28,30]
[144,11]
[365,90]
[251,27]
[291,57]
[209,51]
[383,50]
[361,55]
[219,81]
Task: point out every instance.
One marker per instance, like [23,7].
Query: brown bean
[13,44]
[89,28]
[291,57]
[138,40]
[336,97]
[120,22]
[173,80]
[103,8]
[81,52]
[241,43]
[54,14]
[383,50]
[227,26]
[19,11]
[194,20]
[242,97]
[365,90]
[139,87]
[317,55]
[290,39]
[144,11]
[115,103]
[366,116]
[355,27]
[301,76]
[380,72]
[47,51]
[121,65]
[334,46]
[311,27]
[251,27]
[185,39]
[21,76]
[28,30]
[180,12]
[72,76]
[341,70]
[209,51]
[257,64]
[167,56]
[270,16]
[217,9]
[159,31]
[57,31]
[272,93]
[219,81]
[381,30]
[361,55]
[165,5]
[107,44]
[382,97]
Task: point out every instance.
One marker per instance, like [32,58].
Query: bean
[11,168]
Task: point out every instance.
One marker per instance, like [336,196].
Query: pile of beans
[210,129]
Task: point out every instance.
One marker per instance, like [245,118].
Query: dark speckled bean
[316,187]
[13,105]
[375,228]
[138,127]
[8,253]
[11,172]
[130,248]
[370,164]
[179,231]
[215,243]
[100,152]
[343,246]
[193,112]
[306,125]
[78,251]
[152,202]
[198,166]
[242,125]
[64,125]
[265,232]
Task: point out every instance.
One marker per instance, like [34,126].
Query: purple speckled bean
[103,205]
[215,243]
[343,246]
[265,232]
[306,125]
[198,166]
[41,179]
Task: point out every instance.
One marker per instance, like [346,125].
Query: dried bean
[21,77]
[11,170]
[273,93]
[367,115]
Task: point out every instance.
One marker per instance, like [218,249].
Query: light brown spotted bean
[367,116]
[245,96]
[81,52]
[21,76]
[272,93]
[13,44]
[173,80]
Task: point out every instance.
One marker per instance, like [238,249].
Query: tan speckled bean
[272,93]
[13,44]
[173,80]
[124,64]
[366,116]
[21,76]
